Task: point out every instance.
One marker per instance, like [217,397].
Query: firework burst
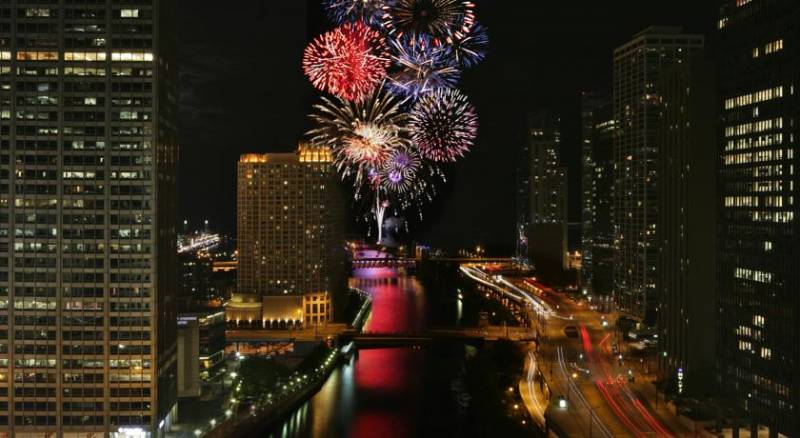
[349,61]
[363,134]
[445,21]
[444,125]
[471,50]
[399,172]
[369,11]
[421,67]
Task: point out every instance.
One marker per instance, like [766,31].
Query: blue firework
[372,12]
[471,50]
[421,67]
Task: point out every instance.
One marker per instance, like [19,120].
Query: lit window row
[754,127]
[753,157]
[742,2]
[755,97]
[33,55]
[767,186]
[769,48]
[741,201]
[754,142]
[753,275]
[778,217]
[775,46]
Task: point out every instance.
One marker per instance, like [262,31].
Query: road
[600,400]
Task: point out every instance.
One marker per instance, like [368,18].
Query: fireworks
[445,21]
[395,116]
[362,134]
[399,172]
[369,11]
[470,51]
[349,61]
[444,125]
[423,67]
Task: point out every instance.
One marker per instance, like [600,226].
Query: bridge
[379,339]
[368,340]
[390,262]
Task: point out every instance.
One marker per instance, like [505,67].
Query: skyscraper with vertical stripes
[759,229]
[88,150]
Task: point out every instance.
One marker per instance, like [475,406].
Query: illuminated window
[27,55]
[758,321]
[129,13]
[132,56]
[85,56]
[5,56]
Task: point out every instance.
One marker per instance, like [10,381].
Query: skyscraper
[87,223]
[602,183]
[686,282]
[637,67]
[758,275]
[289,222]
[589,103]
[547,202]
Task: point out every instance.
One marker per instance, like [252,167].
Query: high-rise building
[290,224]
[758,234]
[88,156]
[602,182]
[637,67]
[547,201]
[589,104]
[686,281]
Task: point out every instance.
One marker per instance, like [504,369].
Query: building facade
[686,281]
[759,279]
[637,67]
[590,102]
[602,244]
[547,201]
[88,156]
[290,224]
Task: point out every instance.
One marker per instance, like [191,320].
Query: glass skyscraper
[758,277]
[88,150]
[637,67]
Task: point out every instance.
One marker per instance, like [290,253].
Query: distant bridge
[387,262]
[379,339]
[427,336]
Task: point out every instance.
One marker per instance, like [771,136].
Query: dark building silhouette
[602,179]
[759,222]
[590,103]
[686,281]
[638,65]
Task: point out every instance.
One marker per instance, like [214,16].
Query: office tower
[589,103]
[758,275]
[87,223]
[547,202]
[601,242]
[522,195]
[686,280]
[290,225]
[637,67]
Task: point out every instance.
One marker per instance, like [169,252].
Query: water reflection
[379,393]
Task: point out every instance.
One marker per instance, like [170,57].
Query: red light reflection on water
[387,379]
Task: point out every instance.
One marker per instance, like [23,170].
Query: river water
[382,392]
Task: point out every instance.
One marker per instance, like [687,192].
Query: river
[382,393]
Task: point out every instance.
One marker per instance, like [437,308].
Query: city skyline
[395,218]
[575,56]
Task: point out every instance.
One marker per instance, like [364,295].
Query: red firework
[349,61]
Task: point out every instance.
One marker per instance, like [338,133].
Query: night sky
[243,90]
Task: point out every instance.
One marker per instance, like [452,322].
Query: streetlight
[198,432]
